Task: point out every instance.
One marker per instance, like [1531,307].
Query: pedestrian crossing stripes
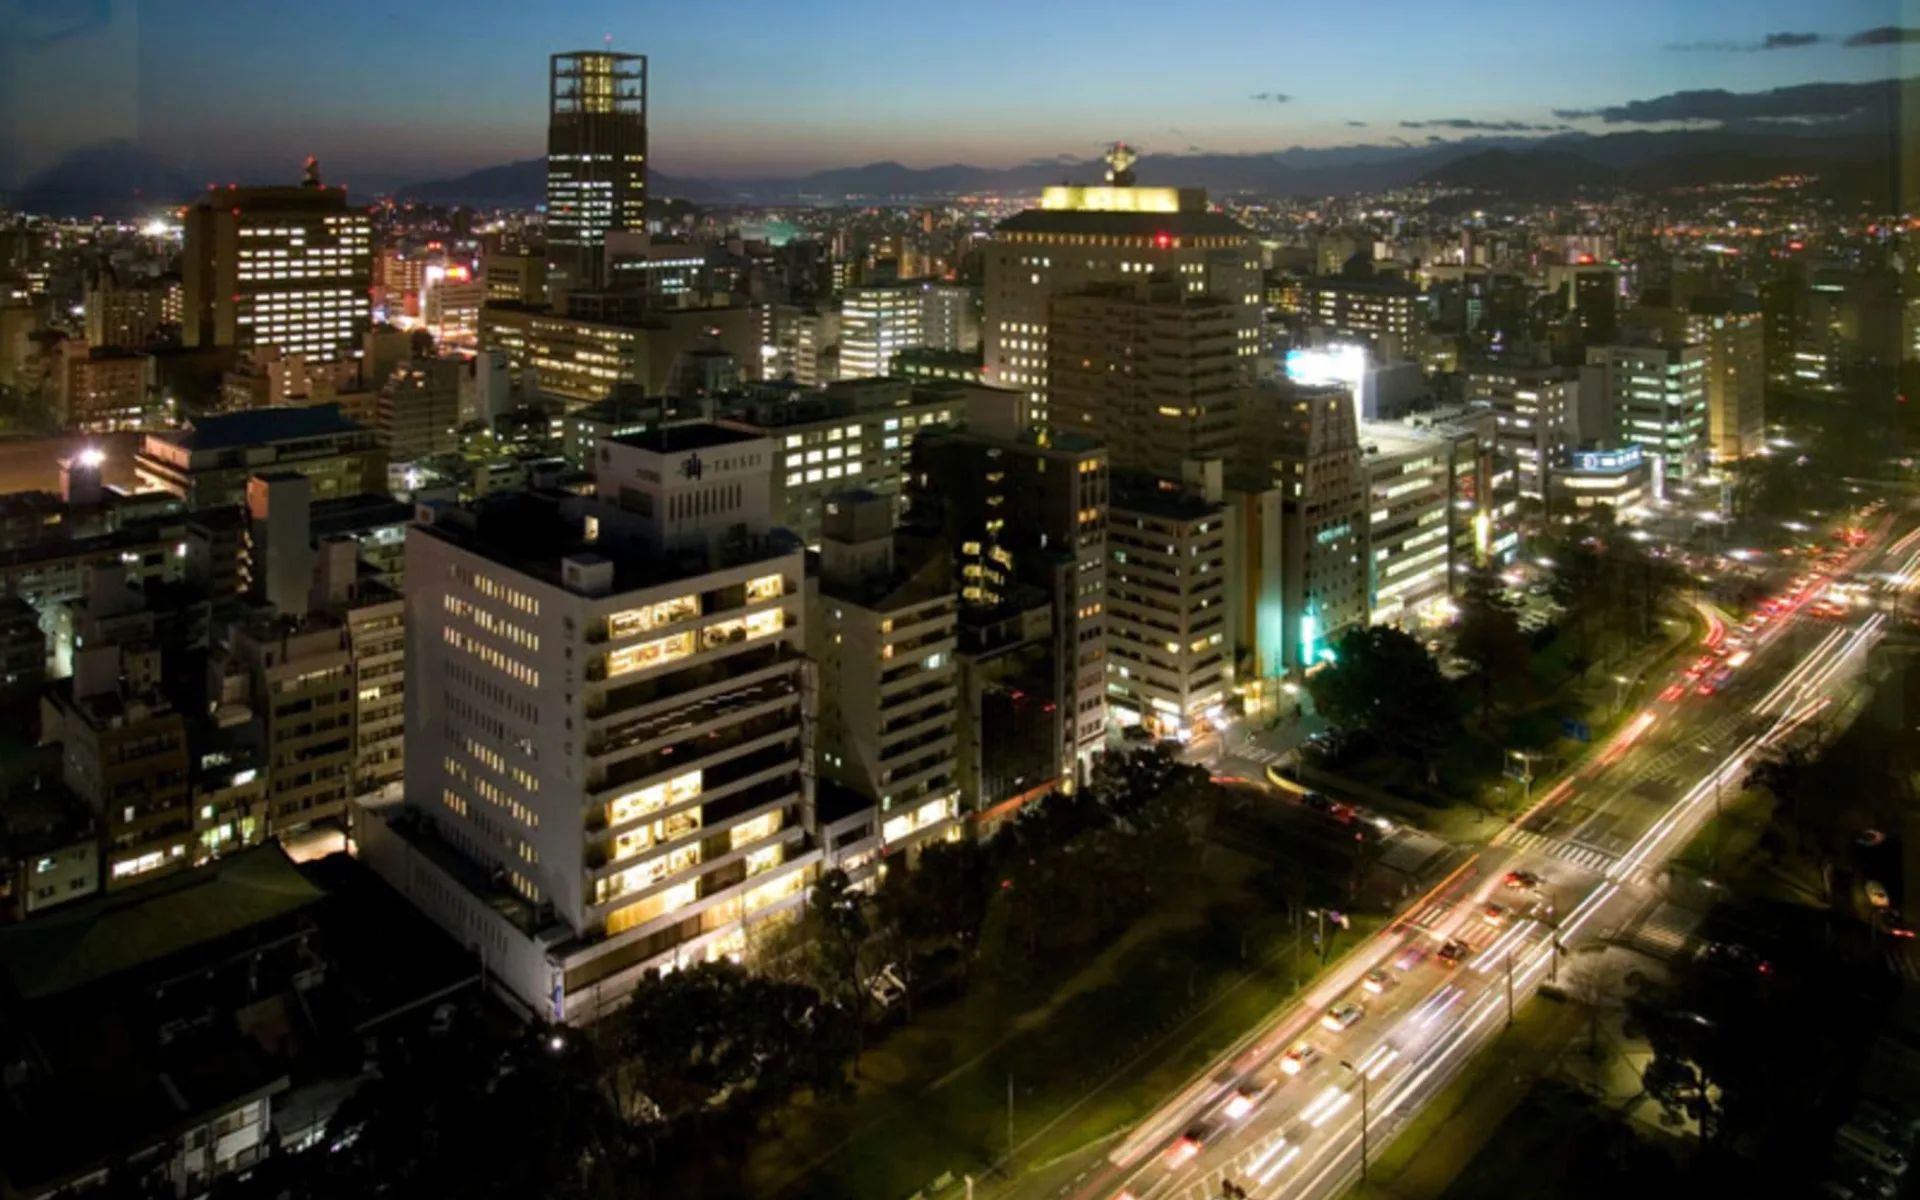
[1590,858]
[1259,754]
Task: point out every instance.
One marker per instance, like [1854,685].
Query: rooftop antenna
[608,39]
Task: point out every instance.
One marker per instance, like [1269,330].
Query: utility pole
[1009,1116]
[1363,1116]
[1321,913]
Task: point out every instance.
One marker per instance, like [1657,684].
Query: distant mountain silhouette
[109,179]
[1857,167]
[117,179]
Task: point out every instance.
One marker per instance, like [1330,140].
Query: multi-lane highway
[1584,862]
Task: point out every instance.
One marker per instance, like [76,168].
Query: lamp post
[1713,848]
[1363,1116]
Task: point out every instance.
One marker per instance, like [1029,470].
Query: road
[1598,842]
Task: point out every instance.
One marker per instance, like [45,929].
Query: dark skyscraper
[596,159]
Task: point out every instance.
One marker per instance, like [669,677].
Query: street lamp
[1363,1116]
[1713,849]
[1620,683]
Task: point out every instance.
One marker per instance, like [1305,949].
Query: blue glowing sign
[1626,458]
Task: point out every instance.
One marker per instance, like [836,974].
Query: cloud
[1272,97]
[1356,124]
[1884,35]
[1805,103]
[1195,150]
[1773,41]
[1465,125]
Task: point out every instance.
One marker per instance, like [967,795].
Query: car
[1377,980]
[1411,957]
[1674,692]
[1521,879]
[1183,1151]
[1240,1104]
[1877,894]
[1494,914]
[1869,838]
[1454,951]
[1342,813]
[1700,666]
[1895,924]
[1298,1059]
[1735,955]
[1317,801]
[1367,816]
[1342,1017]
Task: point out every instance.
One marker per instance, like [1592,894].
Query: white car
[1299,1058]
[1342,1017]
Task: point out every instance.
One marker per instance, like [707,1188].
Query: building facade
[1169,641]
[608,743]
[596,159]
[1536,410]
[288,267]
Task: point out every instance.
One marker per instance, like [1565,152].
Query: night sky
[767,87]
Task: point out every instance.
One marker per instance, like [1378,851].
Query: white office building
[606,735]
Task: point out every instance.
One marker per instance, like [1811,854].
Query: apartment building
[1169,642]
[882,626]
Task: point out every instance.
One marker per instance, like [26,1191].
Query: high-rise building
[806,345]
[1656,396]
[596,160]
[120,314]
[1023,510]
[419,410]
[1359,307]
[1733,337]
[514,277]
[882,626]
[875,322]
[853,436]
[1152,369]
[608,764]
[1410,522]
[1596,303]
[1305,438]
[290,267]
[1170,644]
[950,316]
[1085,235]
[1536,411]
[451,306]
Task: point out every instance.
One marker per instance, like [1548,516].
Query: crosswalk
[1257,754]
[1590,858]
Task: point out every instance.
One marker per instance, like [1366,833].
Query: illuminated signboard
[1335,364]
[1626,458]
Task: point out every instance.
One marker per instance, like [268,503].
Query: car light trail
[1286,1160]
[1327,1114]
[1809,663]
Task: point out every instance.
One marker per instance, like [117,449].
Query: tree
[697,1038]
[1385,684]
[1811,821]
[1488,635]
[835,936]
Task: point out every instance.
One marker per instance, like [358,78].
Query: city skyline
[779,91]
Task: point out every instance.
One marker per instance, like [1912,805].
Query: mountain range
[118,179]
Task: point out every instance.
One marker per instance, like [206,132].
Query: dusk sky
[765,87]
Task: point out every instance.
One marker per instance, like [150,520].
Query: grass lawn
[1149,1011]
[1727,847]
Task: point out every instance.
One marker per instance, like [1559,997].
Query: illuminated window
[767,587]
[649,654]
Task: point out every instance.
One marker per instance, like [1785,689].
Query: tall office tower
[950,316]
[876,321]
[1736,345]
[1169,643]
[1734,339]
[806,345]
[1305,438]
[1085,235]
[1410,522]
[450,308]
[1655,394]
[608,763]
[1359,306]
[1152,369]
[1595,299]
[1023,510]
[289,267]
[596,160]
[882,625]
[1536,411]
